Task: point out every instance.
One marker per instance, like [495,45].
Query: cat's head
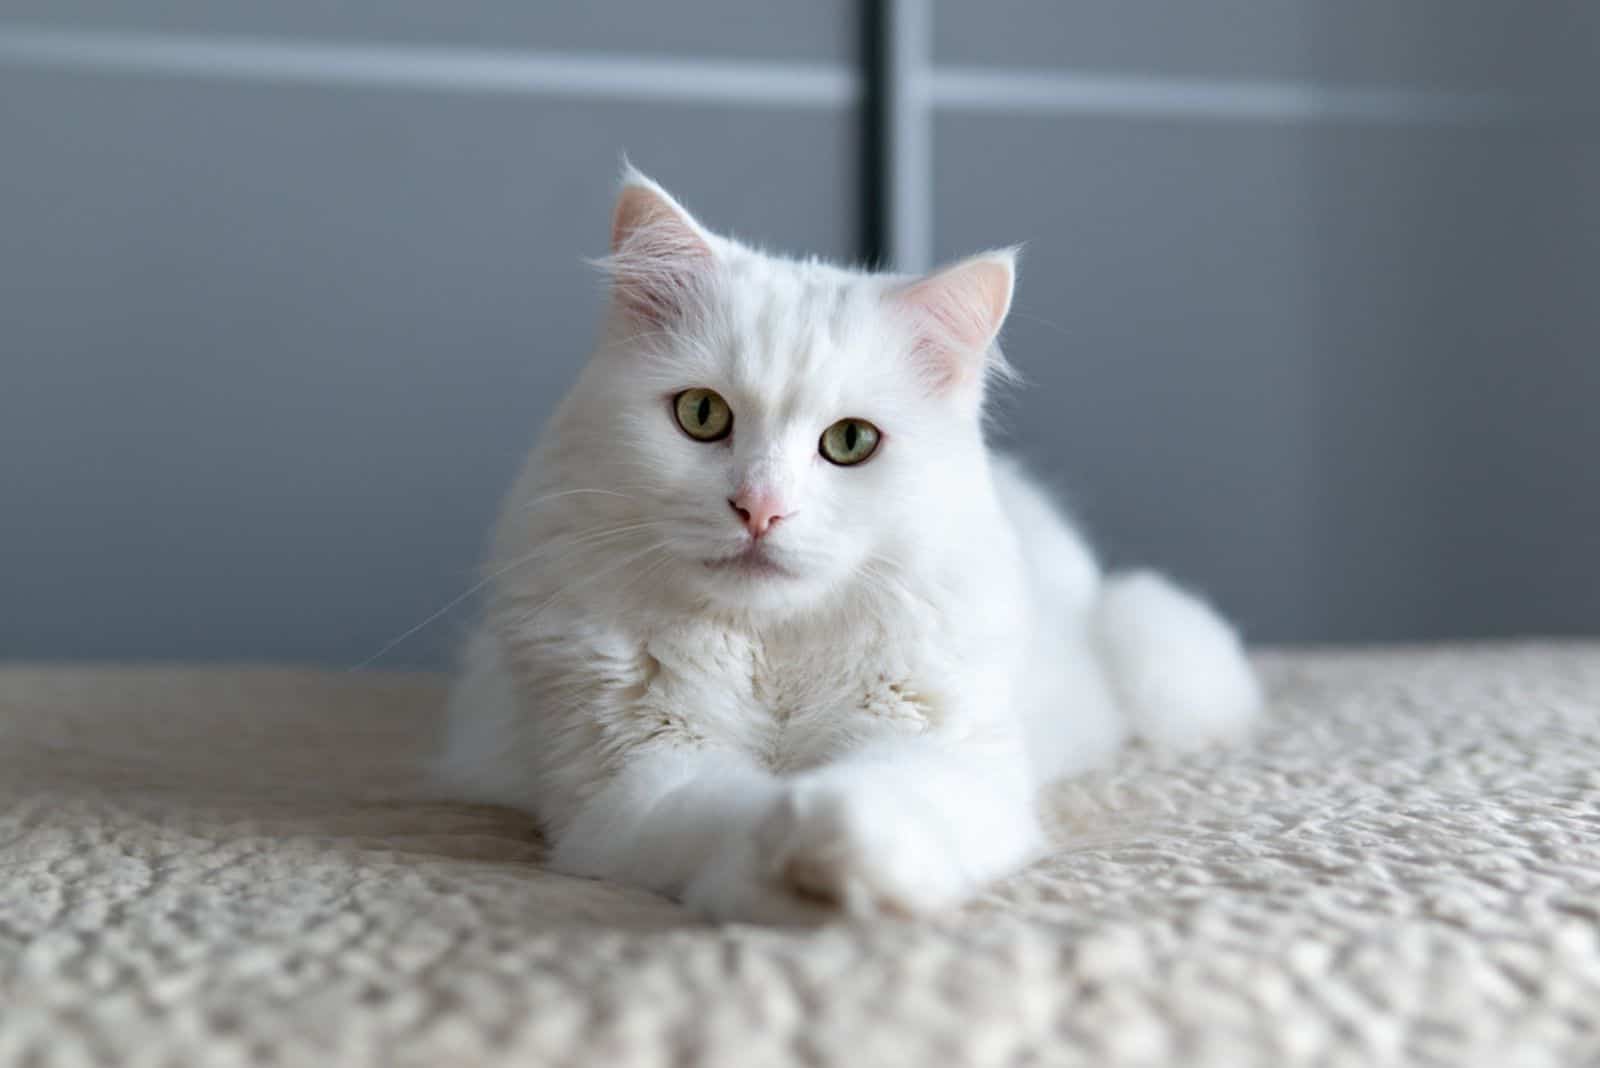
[781,429]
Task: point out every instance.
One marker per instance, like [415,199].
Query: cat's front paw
[829,849]
[862,850]
[739,886]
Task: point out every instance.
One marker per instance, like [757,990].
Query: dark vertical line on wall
[905,130]
[873,205]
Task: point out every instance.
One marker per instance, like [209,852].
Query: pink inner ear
[657,254]
[957,313]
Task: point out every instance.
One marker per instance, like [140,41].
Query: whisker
[553,598]
[379,655]
[586,539]
[542,498]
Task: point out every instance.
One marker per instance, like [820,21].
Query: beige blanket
[220,867]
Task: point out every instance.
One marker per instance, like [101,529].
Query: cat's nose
[759,512]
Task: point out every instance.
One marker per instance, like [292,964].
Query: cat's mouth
[754,560]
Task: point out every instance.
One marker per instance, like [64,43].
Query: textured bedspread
[223,867]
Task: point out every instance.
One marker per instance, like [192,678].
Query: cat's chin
[761,582]
[753,562]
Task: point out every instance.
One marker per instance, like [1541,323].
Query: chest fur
[792,699]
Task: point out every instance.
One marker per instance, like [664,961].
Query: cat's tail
[1176,667]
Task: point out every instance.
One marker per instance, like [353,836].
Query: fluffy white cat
[771,630]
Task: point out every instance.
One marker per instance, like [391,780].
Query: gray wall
[286,290]
[1332,353]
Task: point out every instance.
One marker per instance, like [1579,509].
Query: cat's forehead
[798,329]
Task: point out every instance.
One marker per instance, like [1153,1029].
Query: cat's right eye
[703,414]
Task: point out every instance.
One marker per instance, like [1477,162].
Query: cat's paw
[862,850]
[832,849]
[738,886]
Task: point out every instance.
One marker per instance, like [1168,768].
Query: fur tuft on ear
[659,254]
[955,315]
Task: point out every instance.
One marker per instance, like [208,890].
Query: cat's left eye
[848,442]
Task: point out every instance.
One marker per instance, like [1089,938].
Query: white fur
[867,731]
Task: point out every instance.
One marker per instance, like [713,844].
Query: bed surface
[239,866]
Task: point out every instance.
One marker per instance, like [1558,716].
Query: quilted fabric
[219,867]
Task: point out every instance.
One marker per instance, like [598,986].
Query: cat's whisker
[585,540]
[540,608]
[582,540]
[546,497]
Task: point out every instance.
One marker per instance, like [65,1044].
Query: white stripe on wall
[699,80]
[1062,93]
[757,83]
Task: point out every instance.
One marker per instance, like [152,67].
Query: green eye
[703,414]
[849,441]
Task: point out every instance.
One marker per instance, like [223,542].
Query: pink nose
[759,512]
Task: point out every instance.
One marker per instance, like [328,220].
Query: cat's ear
[955,314]
[659,254]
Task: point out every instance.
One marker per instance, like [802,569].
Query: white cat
[771,630]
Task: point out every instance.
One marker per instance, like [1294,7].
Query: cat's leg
[685,822]
[1176,666]
[907,825]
